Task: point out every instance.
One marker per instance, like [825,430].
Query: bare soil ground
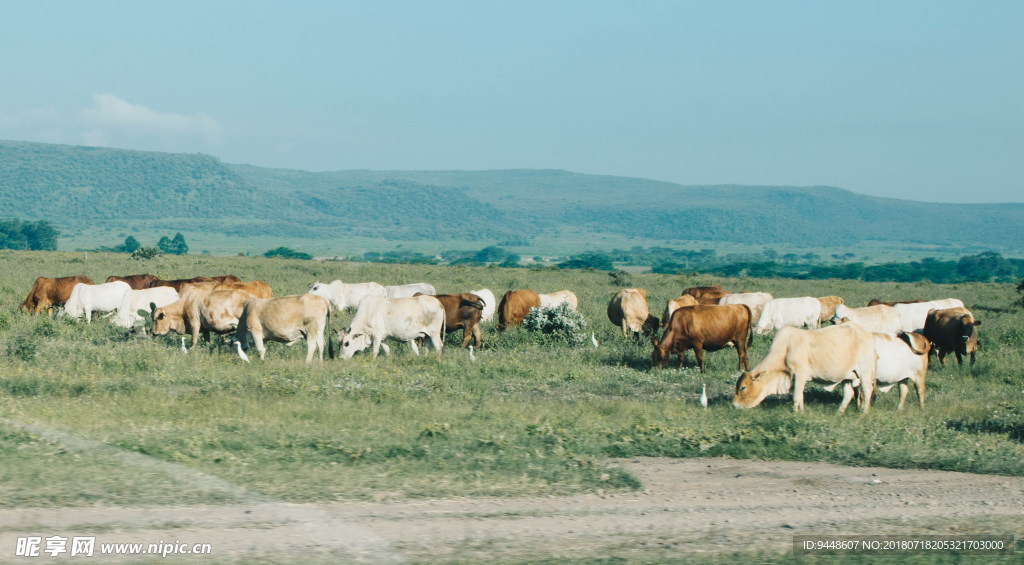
[688,507]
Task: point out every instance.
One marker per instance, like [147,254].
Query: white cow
[879,318]
[912,316]
[346,296]
[404,319]
[902,358]
[135,300]
[553,299]
[88,298]
[754,300]
[407,290]
[490,304]
[796,312]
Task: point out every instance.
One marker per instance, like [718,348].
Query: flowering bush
[561,323]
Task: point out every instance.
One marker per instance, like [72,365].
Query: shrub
[146,253]
[561,323]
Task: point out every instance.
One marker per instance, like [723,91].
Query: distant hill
[75,186]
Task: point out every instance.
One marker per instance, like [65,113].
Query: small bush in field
[145,253]
[561,323]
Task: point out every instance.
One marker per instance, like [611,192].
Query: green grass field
[530,416]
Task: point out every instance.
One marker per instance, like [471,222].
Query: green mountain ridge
[76,187]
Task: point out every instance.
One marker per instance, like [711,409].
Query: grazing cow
[137,282]
[407,290]
[843,354]
[878,318]
[755,300]
[462,311]
[952,329]
[706,294]
[828,307]
[405,319]
[135,300]
[913,315]
[346,296]
[780,312]
[286,319]
[490,303]
[705,327]
[628,310]
[201,309]
[514,306]
[554,299]
[178,283]
[876,302]
[49,293]
[88,298]
[675,304]
[902,357]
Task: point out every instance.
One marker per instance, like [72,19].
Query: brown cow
[177,283]
[462,311]
[705,327]
[49,293]
[706,294]
[876,302]
[137,282]
[952,329]
[514,306]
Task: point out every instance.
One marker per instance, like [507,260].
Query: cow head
[351,343]
[651,325]
[754,386]
[660,354]
[164,321]
[969,333]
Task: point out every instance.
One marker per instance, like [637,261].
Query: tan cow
[828,307]
[285,320]
[514,306]
[201,309]
[49,293]
[705,327]
[878,318]
[952,329]
[553,299]
[675,304]
[628,310]
[843,354]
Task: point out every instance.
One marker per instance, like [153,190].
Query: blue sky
[920,100]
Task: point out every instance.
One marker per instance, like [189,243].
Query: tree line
[28,235]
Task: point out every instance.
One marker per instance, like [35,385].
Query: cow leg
[866,386]
[625,329]
[919,385]
[959,358]
[798,393]
[257,338]
[412,345]
[972,358]
[741,352]
[942,357]
[476,336]
[847,396]
[467,335]
[437,342]
[904,390]
[698,352]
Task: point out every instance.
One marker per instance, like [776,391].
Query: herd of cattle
[882,345]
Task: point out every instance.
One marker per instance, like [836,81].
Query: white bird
[471,356]
[593,339]
[704,395]
[238,346]
[183,348]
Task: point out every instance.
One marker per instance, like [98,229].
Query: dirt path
[688,506]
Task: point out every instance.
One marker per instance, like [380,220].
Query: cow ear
[348,329]
[977,322]
[143,313]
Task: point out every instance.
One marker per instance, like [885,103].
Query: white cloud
[111,117]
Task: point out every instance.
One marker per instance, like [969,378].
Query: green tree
[287,253]
[176,246]
[131,244]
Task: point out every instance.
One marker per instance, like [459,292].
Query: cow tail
[327,333]
[750,326]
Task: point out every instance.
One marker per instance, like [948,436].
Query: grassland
[530,416]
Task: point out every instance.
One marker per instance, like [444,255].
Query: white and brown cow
[902,359]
